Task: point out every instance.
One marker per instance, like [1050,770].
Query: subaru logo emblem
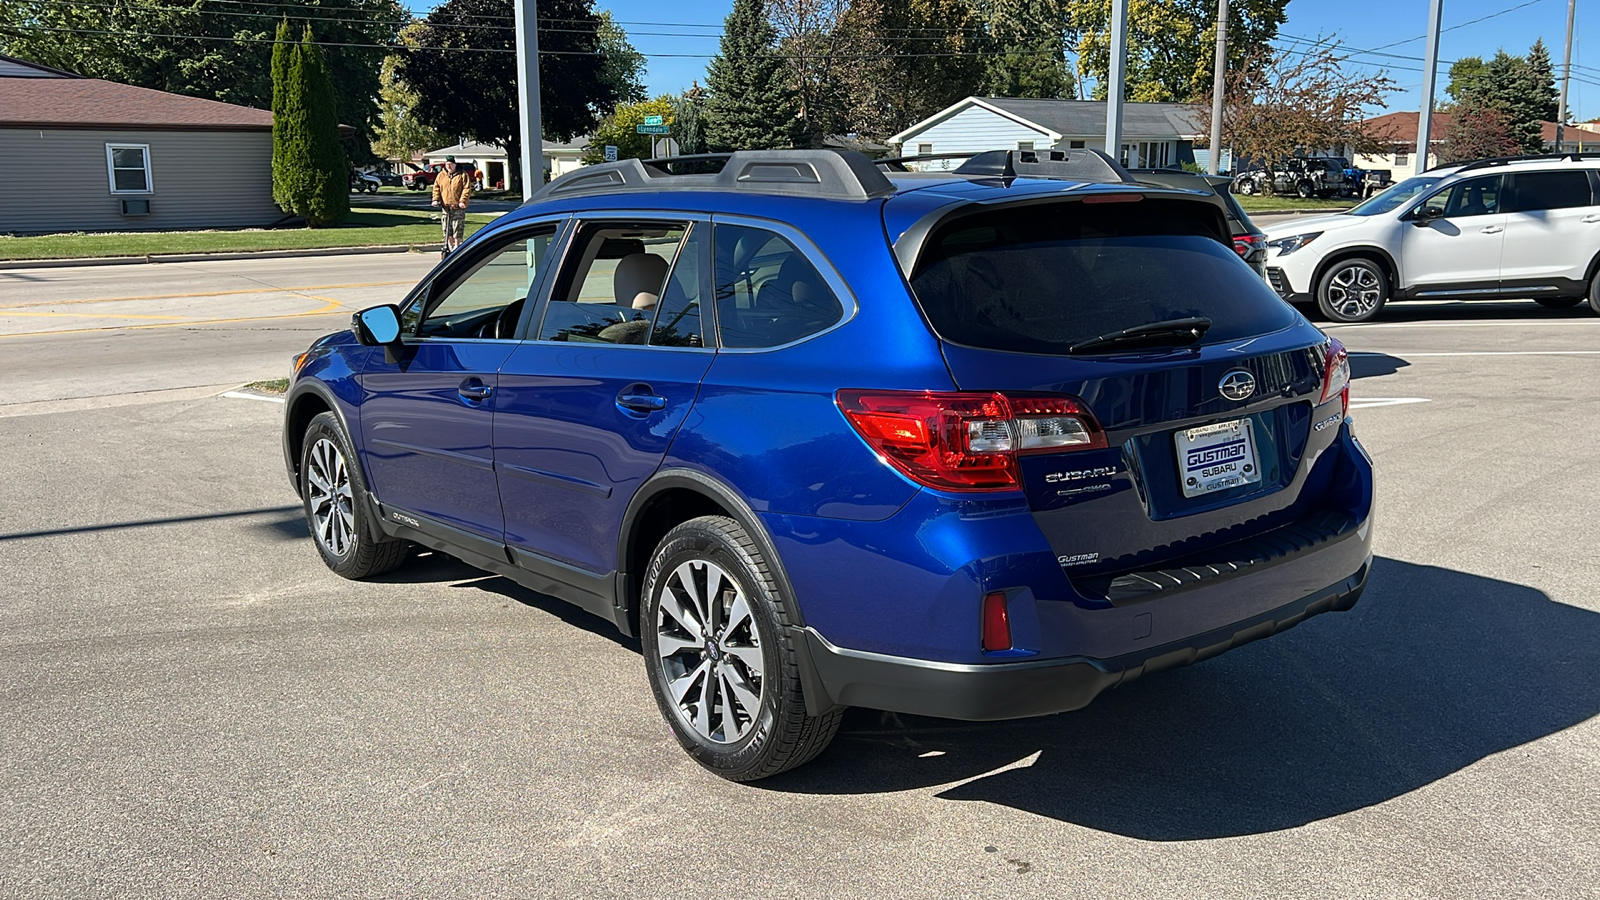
[1237,385]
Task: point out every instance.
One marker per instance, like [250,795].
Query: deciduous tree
[464,71]
[401,133]
[1172,43]
[1476,131]
[620,129]
[1302,101]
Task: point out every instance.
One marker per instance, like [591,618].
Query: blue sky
[677,38]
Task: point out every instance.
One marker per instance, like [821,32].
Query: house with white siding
[1154,134]
[127,158]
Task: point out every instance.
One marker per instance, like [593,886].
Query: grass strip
[366,227]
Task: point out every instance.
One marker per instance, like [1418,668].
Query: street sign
[652,120]
[611,153]
[652,129]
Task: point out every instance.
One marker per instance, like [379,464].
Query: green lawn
[1264,203]
[365,228]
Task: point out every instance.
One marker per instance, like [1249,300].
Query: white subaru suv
[1522,227]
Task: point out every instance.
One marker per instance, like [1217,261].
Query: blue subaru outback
[823,433]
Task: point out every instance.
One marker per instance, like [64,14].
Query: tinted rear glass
[1532,191]
[1038,279]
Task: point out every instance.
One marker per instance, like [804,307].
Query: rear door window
[1038,279]
[1533,191]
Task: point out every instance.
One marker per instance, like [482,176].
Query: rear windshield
[1038,279]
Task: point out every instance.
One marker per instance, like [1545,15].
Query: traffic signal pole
[1429,66]
[1115,67]
[528,97]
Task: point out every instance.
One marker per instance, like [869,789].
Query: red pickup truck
[423,178]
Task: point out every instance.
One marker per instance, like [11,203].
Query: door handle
[474,389]
[640,398]
[1590,220]
[1492,229]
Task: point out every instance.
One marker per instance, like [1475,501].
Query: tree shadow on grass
[1434,670]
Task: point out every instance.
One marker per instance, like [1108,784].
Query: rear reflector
[996,622]
[963,441]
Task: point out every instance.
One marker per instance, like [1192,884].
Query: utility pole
[1219,82]
[1118,62]
[1429,65]
[528,97]
[1566,73]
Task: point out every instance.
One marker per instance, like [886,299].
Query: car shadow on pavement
[1433,671]
[1375,365]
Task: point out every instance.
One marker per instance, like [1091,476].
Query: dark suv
[1305,177]
[977,444]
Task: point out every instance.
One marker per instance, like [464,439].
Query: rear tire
[334,495]
[1303,189]
[1558,302]
[1353,290]
[1594,293]
[1247,187]
[718,654]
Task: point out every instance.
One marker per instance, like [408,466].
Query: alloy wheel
[1354,291]
[328,493]
[710,652]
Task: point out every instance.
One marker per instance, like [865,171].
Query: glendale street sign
[652,129]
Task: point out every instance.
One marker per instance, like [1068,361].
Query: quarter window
[128,167]
[768,293]
[488,299]
[1533,191]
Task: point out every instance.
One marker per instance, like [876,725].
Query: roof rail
[898,163]
[1076,165]
[824,174]
[1507,160]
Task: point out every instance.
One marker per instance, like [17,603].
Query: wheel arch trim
[629,584]
[1368,251]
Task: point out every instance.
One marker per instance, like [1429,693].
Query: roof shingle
[92,103]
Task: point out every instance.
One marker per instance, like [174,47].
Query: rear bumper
[835,676]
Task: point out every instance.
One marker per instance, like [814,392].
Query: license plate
[1217,457]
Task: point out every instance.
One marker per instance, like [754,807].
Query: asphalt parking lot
[195,707]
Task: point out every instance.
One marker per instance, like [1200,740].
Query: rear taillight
[967,441]
[1336,374]
[1246,244]
[996,626]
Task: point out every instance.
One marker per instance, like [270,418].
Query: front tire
[714,629]
[334,491]
[1304,190]
[1353,290]
[1247,187]
[1594,293]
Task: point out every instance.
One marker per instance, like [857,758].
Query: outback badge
[1237,385]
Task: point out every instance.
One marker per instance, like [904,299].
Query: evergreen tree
[751,106]
[1514,87]
[1540,77]
[282,52]
[329,200]
[310,175]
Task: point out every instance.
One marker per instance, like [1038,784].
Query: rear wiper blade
[1172,332]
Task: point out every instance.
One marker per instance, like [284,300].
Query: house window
[1402,159]
[128,166]
[1076,145]
[924,149]
[1024,145]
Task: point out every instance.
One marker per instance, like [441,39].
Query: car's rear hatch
[1210,442]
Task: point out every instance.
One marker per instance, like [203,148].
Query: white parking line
[1374,402]
[243,395]
[1565,323]
[1407,354]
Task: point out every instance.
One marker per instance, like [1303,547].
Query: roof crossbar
[1076,165]
[822,174]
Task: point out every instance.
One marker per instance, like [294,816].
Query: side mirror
[1422,215]
[378,326]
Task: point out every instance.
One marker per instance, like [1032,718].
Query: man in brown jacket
[452,191]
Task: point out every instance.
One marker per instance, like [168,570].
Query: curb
[206,257]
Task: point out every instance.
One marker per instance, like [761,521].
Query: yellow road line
[330,306]
[260,290]
[4,315]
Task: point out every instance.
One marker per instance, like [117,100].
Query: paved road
[112,330]
[195,707]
